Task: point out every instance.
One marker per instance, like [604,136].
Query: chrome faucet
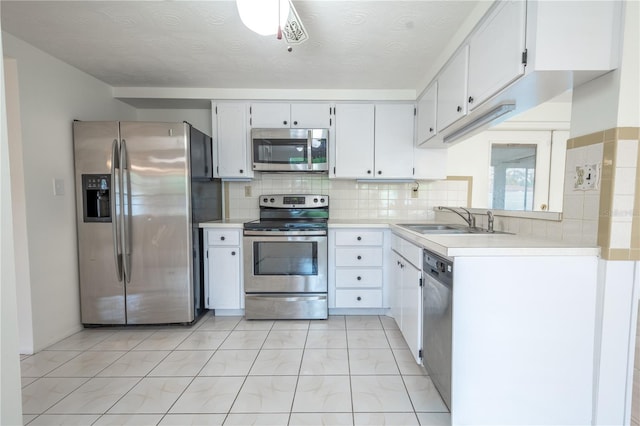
[470,219]
[489,221]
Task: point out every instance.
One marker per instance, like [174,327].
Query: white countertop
[227,223]
[455,245]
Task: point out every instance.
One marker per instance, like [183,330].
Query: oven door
[278,262]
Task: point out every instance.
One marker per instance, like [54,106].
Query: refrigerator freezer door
[102,292]
[157,195]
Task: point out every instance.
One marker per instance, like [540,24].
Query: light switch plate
[58,186]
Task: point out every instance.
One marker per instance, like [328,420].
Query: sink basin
[423,228]
[436,229]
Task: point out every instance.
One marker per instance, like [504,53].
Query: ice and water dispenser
[96,190]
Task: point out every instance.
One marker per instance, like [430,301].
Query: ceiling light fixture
[269,17]
[265,17]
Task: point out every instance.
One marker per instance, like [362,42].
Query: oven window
[280,151]
[285,258]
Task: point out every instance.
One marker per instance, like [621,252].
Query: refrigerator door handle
[126,211]
[115,203]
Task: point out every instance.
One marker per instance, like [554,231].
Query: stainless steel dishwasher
[437,307]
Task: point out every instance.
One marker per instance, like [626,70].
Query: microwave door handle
[115,207]
[309,143]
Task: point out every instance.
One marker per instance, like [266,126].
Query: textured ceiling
[352,45]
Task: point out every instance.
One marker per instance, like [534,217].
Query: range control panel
[287,201]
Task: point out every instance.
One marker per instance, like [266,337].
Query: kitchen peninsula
[523,315]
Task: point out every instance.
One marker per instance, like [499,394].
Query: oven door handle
[309,150]
[288,298]
[285,233]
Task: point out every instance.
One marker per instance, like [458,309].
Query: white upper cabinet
[311,116]
[270,115]
[230,132]
[374,141]
[316,115]
[452,90]
[427,113]
[354,143]
[394,124]
[496,51]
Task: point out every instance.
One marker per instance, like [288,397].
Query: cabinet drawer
[358,298]
[408,250]
[223,237]
[358,238]
[359,256]
[371,277]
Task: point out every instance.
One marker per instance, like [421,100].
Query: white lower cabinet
[223,271]
[356,268]
[406,299]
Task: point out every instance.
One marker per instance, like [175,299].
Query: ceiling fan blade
[293,31]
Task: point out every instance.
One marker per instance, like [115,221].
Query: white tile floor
[354,370]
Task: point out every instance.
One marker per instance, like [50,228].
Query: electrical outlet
[247,191]
[587,177]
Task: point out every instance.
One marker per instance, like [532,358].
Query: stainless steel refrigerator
[142,188]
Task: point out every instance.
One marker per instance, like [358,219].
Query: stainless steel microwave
[290,150]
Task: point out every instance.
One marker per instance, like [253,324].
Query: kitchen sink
[423,228]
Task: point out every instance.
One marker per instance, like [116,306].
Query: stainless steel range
[285,262]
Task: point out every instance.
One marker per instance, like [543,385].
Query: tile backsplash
[350,199]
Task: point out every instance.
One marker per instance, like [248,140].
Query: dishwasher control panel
[438,267]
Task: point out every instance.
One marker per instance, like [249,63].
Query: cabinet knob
[284,122]
[379,172]
[459,109]
[233,253]
[241,171]
[359,278]
[358,298]
[222,238]
[359,238]
[295,123]
[368,172]
[430,129]
[359,257]
[470,99]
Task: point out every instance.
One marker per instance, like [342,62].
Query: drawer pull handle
[359,257]
[358,298]
[359,278]
[359,238]
[233,253]
[221,238]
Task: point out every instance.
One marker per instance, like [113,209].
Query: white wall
[612,100]
[52,95]
[199,118]
[10,397]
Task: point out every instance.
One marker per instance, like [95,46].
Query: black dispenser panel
[96,191]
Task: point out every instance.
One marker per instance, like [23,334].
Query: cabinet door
[396,288]
[394,125]
[430,163]
[354,141]
[427,114]
[495,51]
[452,90]
[270,115]
[224,278]
[411,301]
[311,116]
[231,132]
